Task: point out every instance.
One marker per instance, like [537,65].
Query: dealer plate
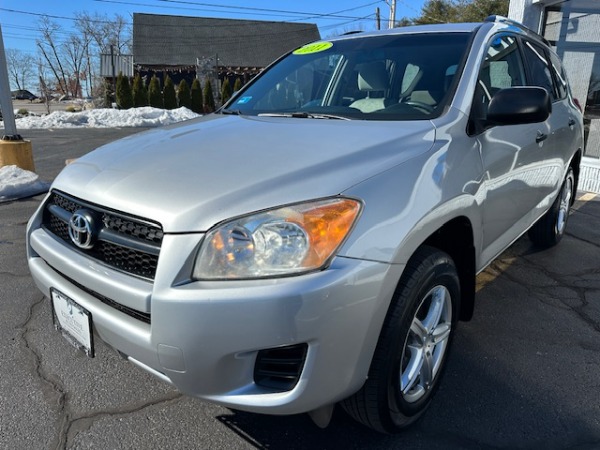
[73,321]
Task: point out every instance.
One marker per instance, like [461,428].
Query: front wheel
[413,345]
[550,228]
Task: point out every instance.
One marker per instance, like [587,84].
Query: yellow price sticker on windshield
[315,47]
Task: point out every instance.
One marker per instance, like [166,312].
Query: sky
[19,18]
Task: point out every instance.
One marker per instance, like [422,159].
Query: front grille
[126,243]
[280,368]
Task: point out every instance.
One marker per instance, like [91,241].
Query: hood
[195,174]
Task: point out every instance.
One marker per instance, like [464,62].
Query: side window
[501,68]
[539,68]
[560,77]
[504,62]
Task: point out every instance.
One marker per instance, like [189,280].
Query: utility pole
[392,21]
[378,18]
[217,92]
[113,97]
[14,150]
[8,115]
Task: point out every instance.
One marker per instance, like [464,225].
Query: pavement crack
[50,385]
[16,275]
[568,282]
[579,238]
[580,310]
[589,445]
[83,423]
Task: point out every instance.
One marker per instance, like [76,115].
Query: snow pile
[107,118]
[18,183]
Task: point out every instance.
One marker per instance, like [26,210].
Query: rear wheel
[413,345]
[550,228]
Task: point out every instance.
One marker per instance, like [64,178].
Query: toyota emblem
[81,229]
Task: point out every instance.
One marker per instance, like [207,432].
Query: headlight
[284,241]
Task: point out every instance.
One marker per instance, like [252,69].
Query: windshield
[392,77]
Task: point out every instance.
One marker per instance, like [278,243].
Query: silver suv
[317,239]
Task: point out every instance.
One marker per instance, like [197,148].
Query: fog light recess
[279,368]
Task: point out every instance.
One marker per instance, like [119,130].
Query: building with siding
[188,47]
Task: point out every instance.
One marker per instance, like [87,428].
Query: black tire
[550,228]
[391,399]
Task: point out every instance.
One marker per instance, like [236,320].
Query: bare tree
[49,49]
[75,52]
[73,58]
[44,91]
[99,32]
[20,68]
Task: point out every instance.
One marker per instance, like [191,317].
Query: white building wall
[527,12]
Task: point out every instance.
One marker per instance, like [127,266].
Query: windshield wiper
[304,115]
[233,112]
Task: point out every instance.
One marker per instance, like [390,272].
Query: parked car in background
[23,94]
[316,240]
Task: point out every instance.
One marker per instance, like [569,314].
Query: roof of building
[162,40]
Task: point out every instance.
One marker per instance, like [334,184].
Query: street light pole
[14,150]
[8,115]
[392,21]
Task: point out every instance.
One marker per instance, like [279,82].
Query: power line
[263,10]
[49,15]
[333,15]
[276,13]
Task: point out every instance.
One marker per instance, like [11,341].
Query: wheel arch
[457,240]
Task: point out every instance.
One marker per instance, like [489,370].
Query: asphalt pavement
[524,373]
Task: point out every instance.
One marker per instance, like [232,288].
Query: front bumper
[204,337]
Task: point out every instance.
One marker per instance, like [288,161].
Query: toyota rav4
[316,240]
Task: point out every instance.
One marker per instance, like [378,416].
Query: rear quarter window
[539,68]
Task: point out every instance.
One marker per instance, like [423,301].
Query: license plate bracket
[73,321]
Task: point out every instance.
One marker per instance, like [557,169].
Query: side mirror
[519,105]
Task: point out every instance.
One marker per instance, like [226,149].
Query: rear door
[557,149]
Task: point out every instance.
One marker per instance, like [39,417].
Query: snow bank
[18,183]
[107,118]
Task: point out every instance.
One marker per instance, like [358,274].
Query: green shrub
[225,91]
[140,93]
[107,94]
[197,97]
[22,112]
[169,98]
[209,99]
[237,85]
[124,96]
[154,95]
[183,95]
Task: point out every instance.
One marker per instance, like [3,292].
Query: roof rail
[351,32]
[506,20]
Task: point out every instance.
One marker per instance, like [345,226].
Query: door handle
[540,137]
[571,122]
